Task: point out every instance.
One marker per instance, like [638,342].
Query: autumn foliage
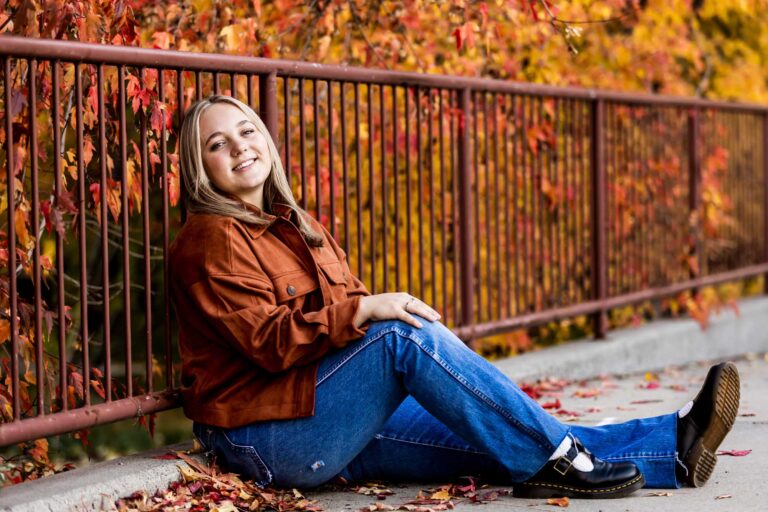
[715,50]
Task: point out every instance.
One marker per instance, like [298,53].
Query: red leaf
[552,405]
[167,456]
[734,453]
[457,35]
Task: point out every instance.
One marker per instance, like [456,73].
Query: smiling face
[235,153]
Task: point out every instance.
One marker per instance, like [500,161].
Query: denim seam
[433,445]
[341,363]
[251,451]
[641,456]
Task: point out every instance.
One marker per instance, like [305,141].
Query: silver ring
[405,308]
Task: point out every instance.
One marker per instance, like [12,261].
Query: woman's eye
[248,131]
[216,145]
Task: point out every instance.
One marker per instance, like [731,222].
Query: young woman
[294,374]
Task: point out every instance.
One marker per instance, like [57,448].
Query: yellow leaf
[5,330]
[441,495]
[232,35]
[21,228]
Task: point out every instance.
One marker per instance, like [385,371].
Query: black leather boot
[559,478]
[700,432]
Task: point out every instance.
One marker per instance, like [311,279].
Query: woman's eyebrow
[241,123]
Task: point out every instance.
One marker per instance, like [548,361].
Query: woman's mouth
[243,165]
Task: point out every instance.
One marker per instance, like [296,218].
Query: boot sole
[702,457]
[541,490]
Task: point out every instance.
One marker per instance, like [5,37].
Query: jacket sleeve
[243,310]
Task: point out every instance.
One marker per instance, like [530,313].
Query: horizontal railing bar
[586,308]
[86,417]
[170,59]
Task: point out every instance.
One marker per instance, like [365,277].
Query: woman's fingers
[418,307]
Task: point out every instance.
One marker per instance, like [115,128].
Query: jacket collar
[280,210]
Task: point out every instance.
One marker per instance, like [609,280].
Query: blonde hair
[201,196]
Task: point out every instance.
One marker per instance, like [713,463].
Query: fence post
[765,198]
[694,192]
[599,272]
[268,103]
[465,210]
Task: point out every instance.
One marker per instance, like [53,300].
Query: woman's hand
[394,306]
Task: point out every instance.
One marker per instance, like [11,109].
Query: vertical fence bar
[287,129]
[145,240]
[694,190]
[316,147]
[62,326]
[103,184]
[408,229]
[166,240]
[32,102]
[384,191]
[420,200]
[11,184]
[443,213]
[371,188]
[431,188]
[81,232]
[303,145]
[465,209]
[359,194]
[597,171]
[127,317]
[396,172]
[331,175]
[344,165]
[268,108]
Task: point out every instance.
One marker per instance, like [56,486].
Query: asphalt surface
[737,484]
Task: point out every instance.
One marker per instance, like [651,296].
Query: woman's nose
[238,148]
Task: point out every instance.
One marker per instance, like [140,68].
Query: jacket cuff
[342,326]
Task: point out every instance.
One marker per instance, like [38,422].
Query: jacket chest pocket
[337,279]
[292,285]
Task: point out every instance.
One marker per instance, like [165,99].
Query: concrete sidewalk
[738,483]
[651,347]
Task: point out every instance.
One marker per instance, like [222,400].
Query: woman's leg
[360,387]
[413,445]
[650,443]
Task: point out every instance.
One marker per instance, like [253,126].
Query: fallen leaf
[734,453]
[654,384]
[441,495]
[559,502]
[678,387]
[551,405]
[723,496]
[654,401]
[595,409]
[167,456]
[586,393]
[747,414]
[659,494]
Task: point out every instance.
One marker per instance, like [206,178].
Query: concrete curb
[649,347]
[95,487]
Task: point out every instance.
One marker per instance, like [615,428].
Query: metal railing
[505,205]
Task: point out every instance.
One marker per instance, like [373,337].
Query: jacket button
[291,290]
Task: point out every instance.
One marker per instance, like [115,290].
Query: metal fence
[503,204]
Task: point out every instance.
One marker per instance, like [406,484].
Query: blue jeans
[414,404]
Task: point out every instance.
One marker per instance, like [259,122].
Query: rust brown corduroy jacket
[257,308]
